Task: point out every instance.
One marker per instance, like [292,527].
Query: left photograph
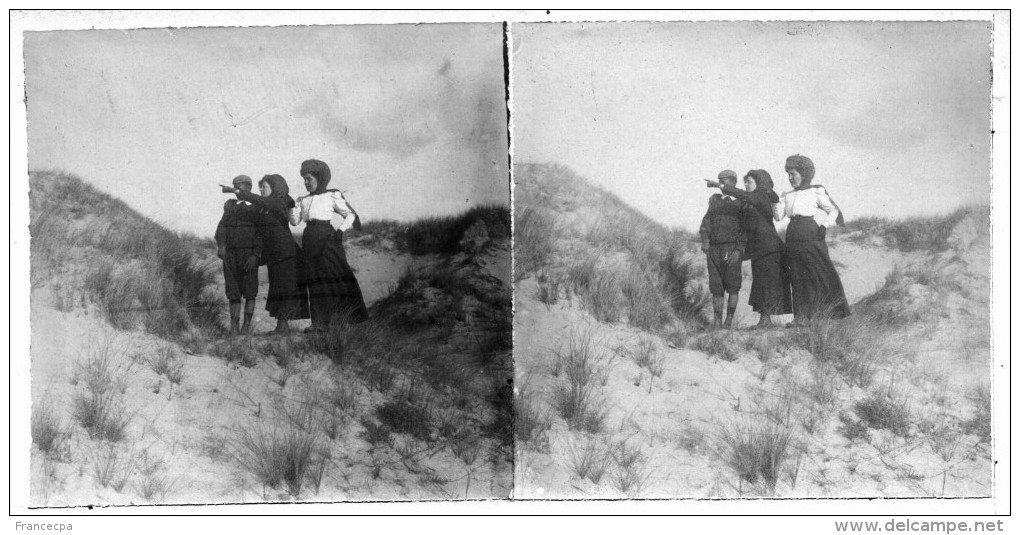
[269,264]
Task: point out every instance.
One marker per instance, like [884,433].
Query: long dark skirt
[286,299]
[333,290]
[770,285]
[817,290]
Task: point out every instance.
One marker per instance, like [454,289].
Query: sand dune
[853,408]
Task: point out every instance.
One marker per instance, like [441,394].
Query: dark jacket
[722,222]
[238,227]
[758,223]
[273,226]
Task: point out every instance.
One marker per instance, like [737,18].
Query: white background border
[19,277]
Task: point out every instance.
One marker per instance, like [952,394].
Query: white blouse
[322,207]
[807,202]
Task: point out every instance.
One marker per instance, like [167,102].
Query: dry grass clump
[581,407]
[113,293]
[591,460]
[577,401]
[943,437]
[276,453]
[408,417]
[881,411]
[598,288]
[534,235]
[239,349]
[756,451]
[648,307]
[368,347]
[579,359]
[646,355]
[854,429]
[548,288]
[47,430]
[981,423]
[631,471]
[374,433]
[531,424]
[168,364]
[154,483]
[925,233]
[102,414]
[110,468]
[823,386]
[442,235]
[678,282]
[721,343]
[100,408]
[853,346]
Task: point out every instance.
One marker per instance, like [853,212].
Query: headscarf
[278,184]
[804,166]
[281,196]
[320,171]
[763,182]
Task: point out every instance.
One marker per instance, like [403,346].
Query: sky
[410,118]
[894,115]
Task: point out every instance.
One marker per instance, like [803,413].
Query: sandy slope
[184,436]
[676,420]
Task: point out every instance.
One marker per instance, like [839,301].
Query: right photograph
[752,259]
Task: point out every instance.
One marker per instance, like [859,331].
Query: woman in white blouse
[333,290]
[817,290]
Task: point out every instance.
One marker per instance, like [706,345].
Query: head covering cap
[727,174]
[763,182]
[804,166]
[239,179]
[278,185]
[319,170]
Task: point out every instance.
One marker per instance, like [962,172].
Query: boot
[717,311]
[730,312]
[249,311]
[235,317]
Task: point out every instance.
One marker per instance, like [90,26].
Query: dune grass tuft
[442,235]
[168,364]
[590,460]
[881,411]
[276,454]
[100,408]
[577,401]
[756,451]
[531,423]
[980,423]
[534,233]
[47,430]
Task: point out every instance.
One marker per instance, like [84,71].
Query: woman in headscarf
[286,300]
[770,286]
[333,290]
[817,290]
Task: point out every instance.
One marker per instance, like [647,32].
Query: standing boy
[240,248]
[722,241]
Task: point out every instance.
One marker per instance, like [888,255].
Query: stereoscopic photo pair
[480,261]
